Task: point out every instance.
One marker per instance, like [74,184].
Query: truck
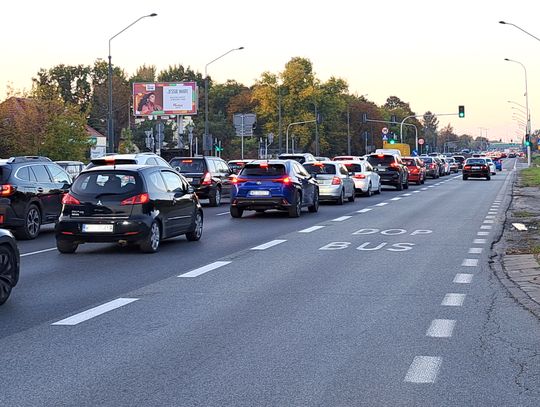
[403,148]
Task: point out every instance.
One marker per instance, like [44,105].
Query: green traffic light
[461,111]
[392,141]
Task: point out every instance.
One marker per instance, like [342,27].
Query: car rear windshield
[427,160]
[475,161]
[300,158]
[258,170]
[4,173]
[103,161]
[188,165]
[354,167]
[320,168]
[384,160]
[409,162]
[107,183]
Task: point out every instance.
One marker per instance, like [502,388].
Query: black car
[31,194]
[128,204]
[209,175]
[476,167]
[391,170]
[9,264]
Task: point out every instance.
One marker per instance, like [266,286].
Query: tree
[127,145]
[430,125]
[144,74]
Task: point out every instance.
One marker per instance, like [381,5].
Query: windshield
[270,170]
[475,161]
[378,159]
[409,162]
[320,168]
[354,167]
[106,183]
[188,165]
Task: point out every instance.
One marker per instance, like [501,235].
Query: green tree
[127,145]
[144,74]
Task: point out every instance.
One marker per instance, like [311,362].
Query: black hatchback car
[209,175]
[391,170]
[31,194]
[128,204]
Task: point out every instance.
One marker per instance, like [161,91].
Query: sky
[433,55]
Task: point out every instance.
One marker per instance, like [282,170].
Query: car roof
[121,167]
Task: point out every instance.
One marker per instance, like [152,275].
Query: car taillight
[467,167]
[237,180]
[336,181]
[285,180]
[69,199]
[7,189]
[433,166]
[207,180]
[394,165]
[136,200]
[359,176]
[413,169]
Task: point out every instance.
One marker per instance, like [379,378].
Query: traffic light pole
[391,122]
[421,115]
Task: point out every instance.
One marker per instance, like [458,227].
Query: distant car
[454,165]
[417,169]
[348,158]
[209,175]
[299,157]
[391,170]
[432,167]
[366,180]
[476,167]
[139,158]
[492,166]
[459,159]
[73,168]
[128,204]
[322,158]
[335,183]
[9,264]
[237,165]
[31,194]
[498,163]
[274,184]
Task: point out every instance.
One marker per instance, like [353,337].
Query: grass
[530,177]
[523,214]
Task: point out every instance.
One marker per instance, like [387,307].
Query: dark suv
[391,170]
[210,176]
[31,194]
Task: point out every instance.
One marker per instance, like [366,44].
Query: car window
[155,182]
[160,161]
[151,161]
[475,161]
[188,165]
[172,181]
[269,170]
[320,168]
[409,161]
[58,174]
[106,182]
[300,169]
[354,167]
[381,159]
[41,173]
[343,170]
[25,174]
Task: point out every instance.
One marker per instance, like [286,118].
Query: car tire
[353,196]
[196,233]
[423,181]
[406,185]
[8,272]
[215,198]
[296,209]
[368,192]
[66,247]
[32,224]
[378,191]
[465,178]
[488,177]
[341,198]
[236,212]
[151,243]
[399,186]
[315,207]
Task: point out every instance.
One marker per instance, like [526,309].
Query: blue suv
[274,184]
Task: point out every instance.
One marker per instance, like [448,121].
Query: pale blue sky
[434,55]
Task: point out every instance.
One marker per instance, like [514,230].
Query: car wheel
[8,272]
[368,192]
[465,178]
[488,177]
[406,186]
[66,247]
[353,196]
[296,209]
[399,186]
[341,198]
[151,243]
[236,212]
[196,233]
[215,199]
[379,189]
[423,181]
[32,224]
[315,207]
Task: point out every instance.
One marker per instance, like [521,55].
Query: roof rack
[28,158]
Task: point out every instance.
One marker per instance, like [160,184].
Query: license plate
[381,169]
[259,193]
[475,168]
[189,179]
[97,228]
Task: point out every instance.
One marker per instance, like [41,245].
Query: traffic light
[461,111]
[528,140]
[364,118]
[392,141]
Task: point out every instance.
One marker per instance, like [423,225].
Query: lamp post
[110,124]
[206,91]
[519,28]
[528,129]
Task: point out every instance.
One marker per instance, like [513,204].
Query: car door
[308,185]
[162,201]
[347,180]
[47,193]
[183,205]
[61,182]
[373,177]
[224,173]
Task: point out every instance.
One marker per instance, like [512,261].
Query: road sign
[420,141]
[385,130]
[385,138]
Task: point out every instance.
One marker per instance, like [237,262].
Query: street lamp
[110,124]
[206,91]
[519,28]
[528,129]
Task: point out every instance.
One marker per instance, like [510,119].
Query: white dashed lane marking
[311,229]
[424,369]
[268,245]
[486,227]
[96,311]
[479,241]
[38,252]
[381,204]
[463,278]
[222,213]
[441,328]
[475,250]
[453,300]
[470,262]
[341,218]
[482,233]
[364,210]
[205,269]
[396,199]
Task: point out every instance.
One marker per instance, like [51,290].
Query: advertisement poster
[165,98]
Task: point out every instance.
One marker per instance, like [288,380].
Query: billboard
[165,98]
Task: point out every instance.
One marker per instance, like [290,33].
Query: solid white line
[479,241]
[470,262]
[396,199]
[381,204]
[453,300]
[486,227]
[364,210]
[38,252]
[341,218]
[475,250]
[267,245]
[222,213]
[94,312]
[311,229]
[482,233]
[463,278]
[205,269]
[423,369]
[441,328]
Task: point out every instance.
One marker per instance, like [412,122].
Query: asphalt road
[385,301]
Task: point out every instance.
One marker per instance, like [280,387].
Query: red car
[417,169]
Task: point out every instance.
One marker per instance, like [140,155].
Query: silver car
[335,181]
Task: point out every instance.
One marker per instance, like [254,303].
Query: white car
[366,181]
[491,164]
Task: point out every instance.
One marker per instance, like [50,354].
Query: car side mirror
[190,189]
